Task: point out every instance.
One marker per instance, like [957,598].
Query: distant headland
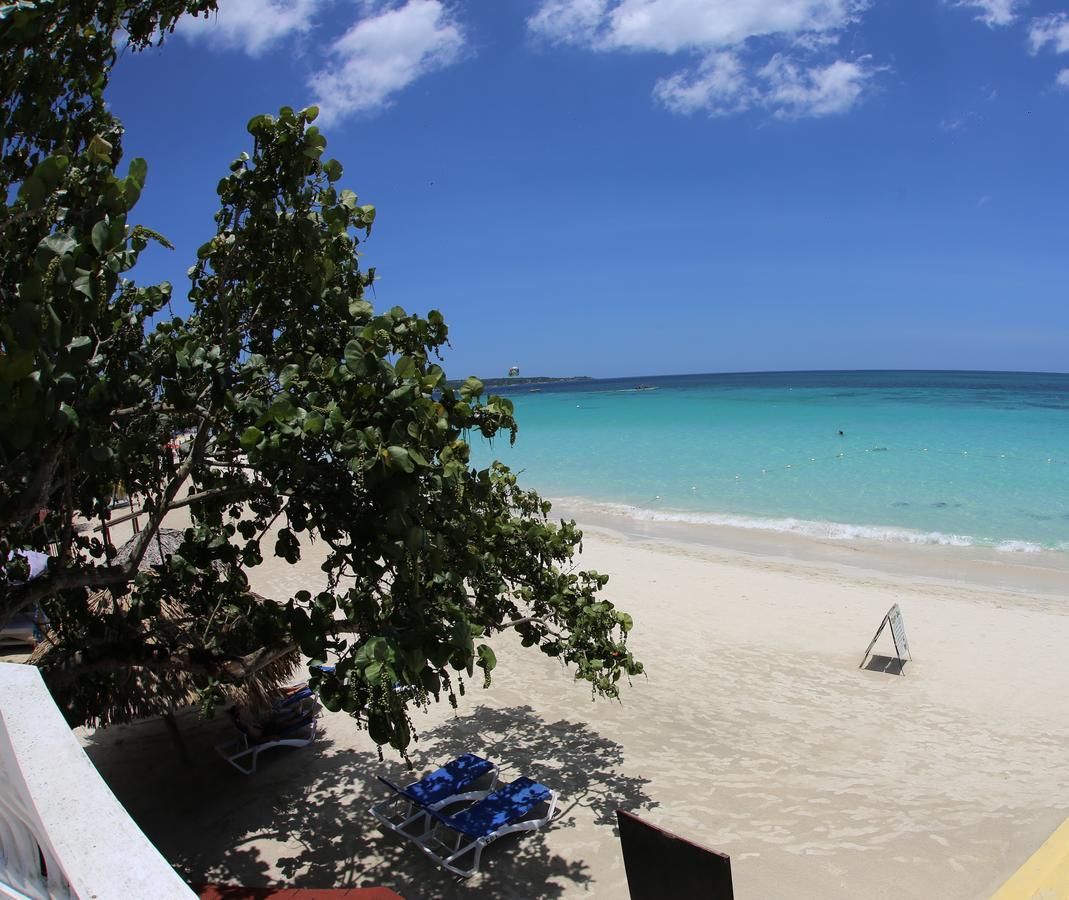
[518,381]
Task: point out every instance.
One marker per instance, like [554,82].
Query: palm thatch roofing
[165,674]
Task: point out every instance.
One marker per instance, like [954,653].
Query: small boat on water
[644,387]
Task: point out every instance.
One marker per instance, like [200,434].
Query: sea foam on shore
[834,531]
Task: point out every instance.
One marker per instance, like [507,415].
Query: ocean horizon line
[522,378]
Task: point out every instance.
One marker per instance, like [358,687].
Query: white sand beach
[755,733]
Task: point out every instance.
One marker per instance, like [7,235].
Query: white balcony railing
[62,832]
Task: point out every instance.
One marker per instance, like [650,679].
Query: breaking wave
[834,531]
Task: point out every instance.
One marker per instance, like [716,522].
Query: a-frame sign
[898,635]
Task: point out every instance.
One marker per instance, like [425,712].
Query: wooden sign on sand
[898,635]
[662,865]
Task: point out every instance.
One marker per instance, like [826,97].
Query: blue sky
[617,187]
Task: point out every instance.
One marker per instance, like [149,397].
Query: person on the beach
[268,728]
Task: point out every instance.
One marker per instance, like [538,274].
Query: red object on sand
[239,892]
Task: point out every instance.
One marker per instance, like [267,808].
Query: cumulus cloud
[718,86]
[390,45]
[669,26]
[253,26]
[1050,30]
[725,40]
[721,86]
[796,92]
[569,21]
[382,54]
[993,13]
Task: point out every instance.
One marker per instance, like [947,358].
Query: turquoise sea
[957,458]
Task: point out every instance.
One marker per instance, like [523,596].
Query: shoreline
[1044,573]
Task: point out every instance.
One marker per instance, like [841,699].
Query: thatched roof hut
[170,667]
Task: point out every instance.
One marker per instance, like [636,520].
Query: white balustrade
[62,832]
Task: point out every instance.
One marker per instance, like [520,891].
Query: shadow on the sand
[891,665]
[308,809]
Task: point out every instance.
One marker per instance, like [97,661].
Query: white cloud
[569,21]
[1053,30]
[393,43]
[725,36]
[251,25]
[993,13]
[798,92]
[672,25]
[669,26]
[382,54]
[719,86]
[959,123]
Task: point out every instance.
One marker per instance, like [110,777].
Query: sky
[644,187]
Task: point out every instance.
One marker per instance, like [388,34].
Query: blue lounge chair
[508,809]
[298,696]
[450,784]
[253,740]
[293,697]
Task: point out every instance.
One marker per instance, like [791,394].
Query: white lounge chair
[506,810]
[251,742]
[450,784]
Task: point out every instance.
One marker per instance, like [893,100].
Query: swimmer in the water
[840,432]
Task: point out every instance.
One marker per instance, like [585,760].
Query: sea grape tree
[311,416]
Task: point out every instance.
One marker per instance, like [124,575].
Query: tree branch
[178,504]
[106,576]
[531,620]
[36,495]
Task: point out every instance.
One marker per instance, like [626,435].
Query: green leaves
[59,244]
[487,661]
[138,172]
[354,355]
[471,388]
[289,375]
[43,181]
[67,415]
[259,124]
[282,409]
[108,234]
[100,150]
[287,546]
[297,414]
[399,457]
